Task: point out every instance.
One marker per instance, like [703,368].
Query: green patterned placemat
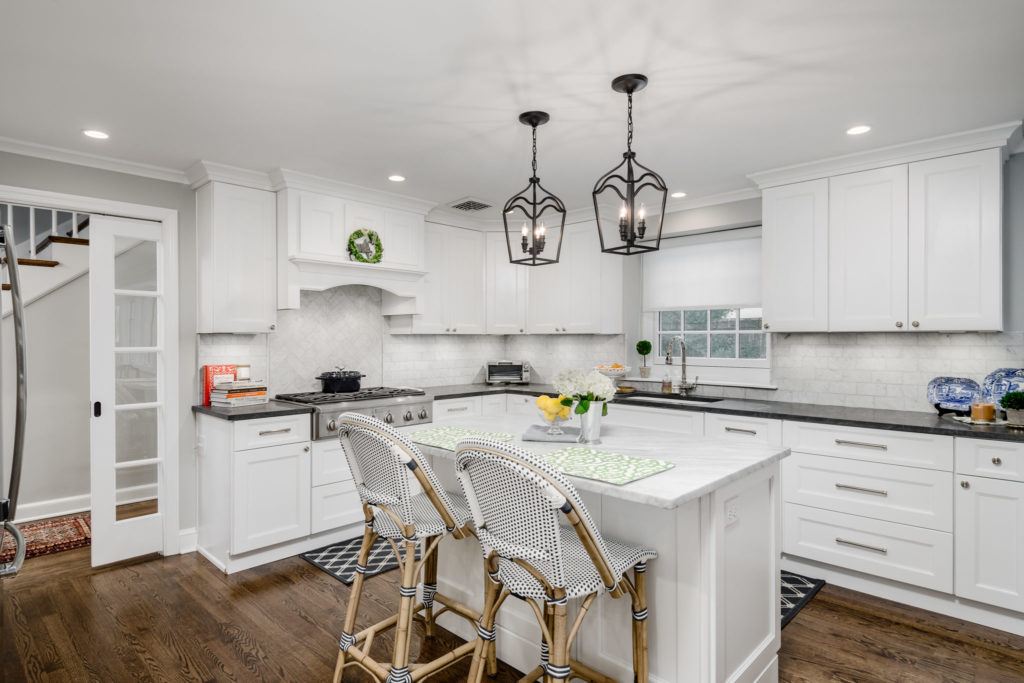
[449,437]
[613,468]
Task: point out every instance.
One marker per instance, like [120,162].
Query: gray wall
[54,176]
[1013,243]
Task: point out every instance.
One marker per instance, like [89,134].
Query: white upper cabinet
[507,291]
[364,217]
[867,243]
[403,239]
[795,257]
[236,243]
[956,242]
[321,227]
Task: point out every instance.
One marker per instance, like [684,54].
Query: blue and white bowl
[1002,381]
[953,394]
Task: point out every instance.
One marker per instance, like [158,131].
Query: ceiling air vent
[470,205]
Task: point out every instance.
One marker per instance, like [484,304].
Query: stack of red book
[233,394]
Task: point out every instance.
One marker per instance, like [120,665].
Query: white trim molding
[70,156]
[285,179]
[189,540]
[203,172]
[1005,136]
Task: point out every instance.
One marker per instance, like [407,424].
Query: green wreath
[364,246]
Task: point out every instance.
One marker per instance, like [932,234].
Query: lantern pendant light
[632,186]
[534,246]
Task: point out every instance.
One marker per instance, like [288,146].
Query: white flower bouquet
[582,387]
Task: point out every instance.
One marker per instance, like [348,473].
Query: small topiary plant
[1013,400]
[644,347]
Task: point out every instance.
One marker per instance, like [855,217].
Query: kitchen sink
[662,398]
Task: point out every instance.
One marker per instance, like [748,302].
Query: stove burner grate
[319,397]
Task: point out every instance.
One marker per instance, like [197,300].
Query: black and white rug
[797,591]
[339,560]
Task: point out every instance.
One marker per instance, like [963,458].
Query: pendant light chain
[535,151]
[629,122]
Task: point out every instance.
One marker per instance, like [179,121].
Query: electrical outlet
[732,515]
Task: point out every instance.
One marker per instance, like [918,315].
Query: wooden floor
[180,619]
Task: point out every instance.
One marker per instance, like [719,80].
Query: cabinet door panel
[431,318]
[506,289]
[581,250]
[548,296]
[956,242]
[990,541]
[795,257]
[403,239]
[868,251]
[322,226]
[270,489]
[464,295]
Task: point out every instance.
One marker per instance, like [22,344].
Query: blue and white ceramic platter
[953,393]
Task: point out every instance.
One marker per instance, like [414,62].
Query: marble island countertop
[701,465]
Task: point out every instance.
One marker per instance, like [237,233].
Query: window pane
[664,341]
[135,265]
[750,318]
[696,345]
[137,433]
[723,319]
[135,378]
[723,346]
[695,320]
[753,345]
[134,320]
[669,320]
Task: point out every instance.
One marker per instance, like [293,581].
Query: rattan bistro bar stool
[382,461]
[517,501]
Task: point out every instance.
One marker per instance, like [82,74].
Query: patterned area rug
[53,535]
[797,591]
[339,560]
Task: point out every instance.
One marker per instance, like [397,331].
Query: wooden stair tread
[42,262]
[57,239]
[6,287]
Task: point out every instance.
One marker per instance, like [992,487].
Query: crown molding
[69,156]
[203,172]
[285,179]
[1003,135]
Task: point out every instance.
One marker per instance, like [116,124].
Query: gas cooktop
[395,406]
[368,394]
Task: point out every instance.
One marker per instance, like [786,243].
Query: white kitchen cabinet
[867,243]
[493,405]
[360,216]
[743,428]
[335,505]
[955,242]
[320,232]
[507,293]
[270,496]
[403,239]
[236,245]
[518,404]
[663,419]
[580,294]
[990,541]
[795,257]
[468,406]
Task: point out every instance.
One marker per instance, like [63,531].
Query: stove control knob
[423,413]
[332,426]
[407,416]
[389,418]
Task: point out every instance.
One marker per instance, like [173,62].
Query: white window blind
[721,269]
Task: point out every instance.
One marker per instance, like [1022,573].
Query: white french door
[133,383]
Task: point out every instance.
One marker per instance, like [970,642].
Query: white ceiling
[355,91]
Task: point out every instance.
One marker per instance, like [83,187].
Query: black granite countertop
[270,409]
[897,420]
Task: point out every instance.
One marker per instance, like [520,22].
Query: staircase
[54,261]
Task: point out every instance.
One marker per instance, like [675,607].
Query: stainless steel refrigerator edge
[9,493]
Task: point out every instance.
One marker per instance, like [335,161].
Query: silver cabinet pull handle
[458,410]
[861,489]
[740,430]
[864,546]
[276,431]
[862,444]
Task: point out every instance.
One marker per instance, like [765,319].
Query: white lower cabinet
[517,404]
[270,494]
[469,406]
[742,428]
[335,505]
[493,405]
[679,421]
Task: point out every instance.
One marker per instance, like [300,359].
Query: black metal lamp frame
[627,180]
[532,202]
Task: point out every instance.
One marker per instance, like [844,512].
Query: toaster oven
[507,372]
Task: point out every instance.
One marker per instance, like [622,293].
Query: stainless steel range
[398,407]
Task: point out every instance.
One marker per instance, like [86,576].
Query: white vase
[1014,418]
[645,371]
[590,423]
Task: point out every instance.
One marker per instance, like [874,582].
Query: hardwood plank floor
[180,619]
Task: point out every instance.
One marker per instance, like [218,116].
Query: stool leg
[400,662]
[640,664]
[558,663]
[485,632]
[429,589]
[348,630]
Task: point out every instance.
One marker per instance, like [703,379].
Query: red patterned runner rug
[53,535]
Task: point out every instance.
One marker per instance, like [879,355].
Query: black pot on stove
[340,381]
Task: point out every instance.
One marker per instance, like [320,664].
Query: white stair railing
[33,223]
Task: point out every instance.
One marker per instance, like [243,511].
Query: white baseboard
[188,542]
[55,507]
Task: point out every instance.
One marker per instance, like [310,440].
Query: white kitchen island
[713,592]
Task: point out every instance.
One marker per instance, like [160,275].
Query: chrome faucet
[684,386]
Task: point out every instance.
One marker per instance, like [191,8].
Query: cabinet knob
[520,330]
[916,324]
[965,484]
[305,449]
[766,326]
[455,329]
[899,323]
[273,327]
[997,461]
[447,329]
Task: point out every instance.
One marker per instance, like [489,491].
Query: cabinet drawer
[740,428]
[271,431]
[517,404]
[492,405]
[922,557]
[679,421]
[995,459]
[336,505]
[457,407]
[906,495]
[329,463]
[875,445]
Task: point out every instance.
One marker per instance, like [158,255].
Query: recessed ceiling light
[96,134]
[396,178]
[858,130]
[678,195]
